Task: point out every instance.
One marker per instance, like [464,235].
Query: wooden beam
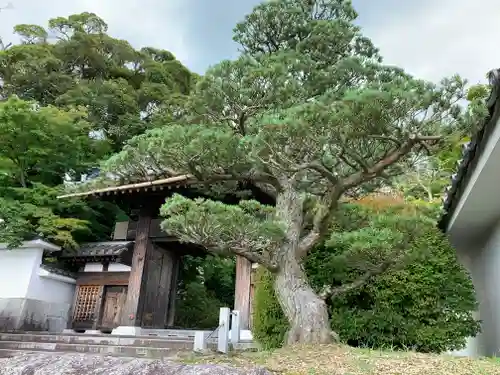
[242,290]
[143,244]
[102,278]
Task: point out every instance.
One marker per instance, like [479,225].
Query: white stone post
[235,327]
[223,333]
[200,341]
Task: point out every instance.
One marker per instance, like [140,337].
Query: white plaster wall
[93,267]
[121,229]
[16,267]
[487,269]
[47,289]
[483,262]
[32,298]
[118,267]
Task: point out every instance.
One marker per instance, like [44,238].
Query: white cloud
[158,23]
[443,38]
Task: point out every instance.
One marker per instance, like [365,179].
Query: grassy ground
[335,360]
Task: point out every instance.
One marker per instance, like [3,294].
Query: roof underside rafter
[161,184]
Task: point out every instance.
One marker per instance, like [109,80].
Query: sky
[430,39]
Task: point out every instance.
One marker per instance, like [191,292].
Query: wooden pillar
[173,291]
[71,319]
[164,287]
[242,290]
[132,307]
[252,292]
[154,300]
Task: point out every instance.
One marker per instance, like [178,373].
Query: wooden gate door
[86,306]
[113,303]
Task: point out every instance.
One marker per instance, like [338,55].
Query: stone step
[7,353]
[107,350]
[147,333]
[109,340]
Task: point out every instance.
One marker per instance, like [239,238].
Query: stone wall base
[22,314]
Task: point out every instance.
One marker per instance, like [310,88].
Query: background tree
[34,162]
[45,81]
[308,115]
[27,141]
[75,62]
[206,284]
[428,176]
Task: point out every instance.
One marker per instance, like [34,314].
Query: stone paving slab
[80,364]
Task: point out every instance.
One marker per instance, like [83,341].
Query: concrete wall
[32,298]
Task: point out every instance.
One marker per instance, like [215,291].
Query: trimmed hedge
[426,306]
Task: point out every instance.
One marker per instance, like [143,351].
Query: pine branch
[329,202]
[331,292]
[396,260]
[376,170]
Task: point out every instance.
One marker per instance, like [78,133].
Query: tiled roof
[471,152]
[100,249]
[57,271]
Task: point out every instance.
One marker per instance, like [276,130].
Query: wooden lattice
[86,301]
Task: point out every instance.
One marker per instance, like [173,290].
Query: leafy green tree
[478,92]
[39,146]
[55,94]
[424,305]
[122,88]
[30,212]
[44,143]
[308,120]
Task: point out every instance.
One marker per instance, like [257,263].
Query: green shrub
[269,325]
[426,306]
[206,284]
[196,307]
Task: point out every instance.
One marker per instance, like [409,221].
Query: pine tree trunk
[306,312]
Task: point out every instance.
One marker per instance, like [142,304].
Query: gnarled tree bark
[306,312]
